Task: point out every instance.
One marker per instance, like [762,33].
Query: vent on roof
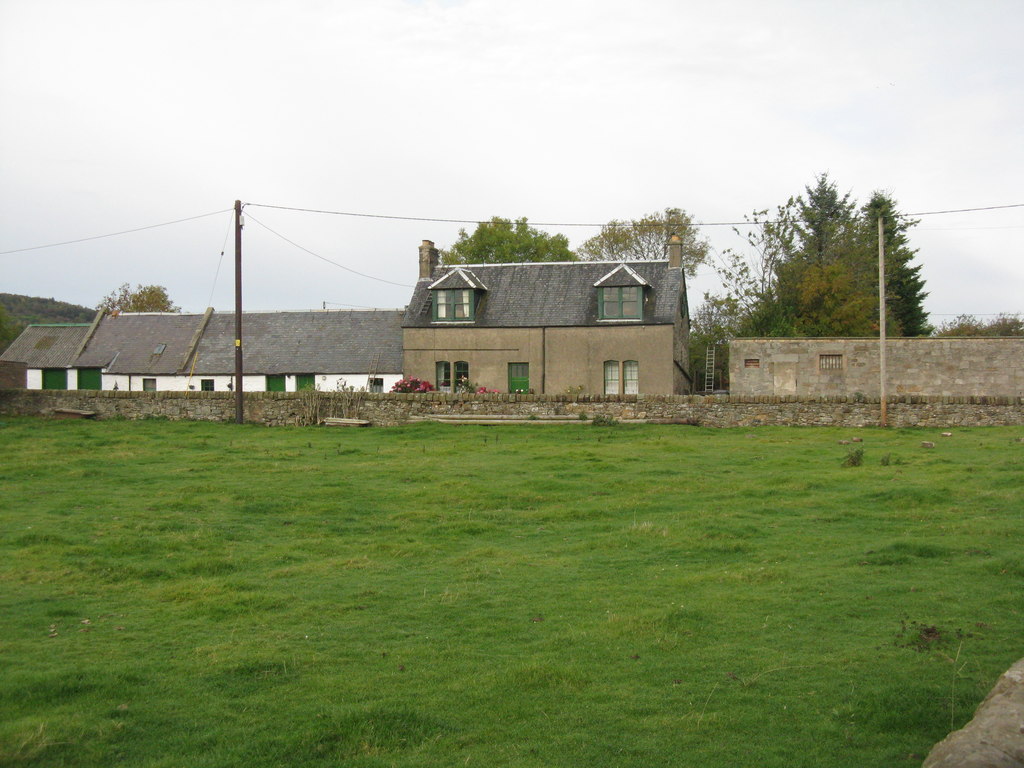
[159,349]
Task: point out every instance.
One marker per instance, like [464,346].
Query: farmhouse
[844,366]
[549,328]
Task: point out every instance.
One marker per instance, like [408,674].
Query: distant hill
[26,310]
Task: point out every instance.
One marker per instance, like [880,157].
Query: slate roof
[304,342]
[47,346]
[128,343]
[551,294]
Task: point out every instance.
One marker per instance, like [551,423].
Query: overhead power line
[114,234]
[615,224]
[440,220]
[324,258]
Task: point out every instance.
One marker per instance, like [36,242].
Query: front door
[304,381]
[518,377]
[275,383]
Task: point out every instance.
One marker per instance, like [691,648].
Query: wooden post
[881,321]
[239,403]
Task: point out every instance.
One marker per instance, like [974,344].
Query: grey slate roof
[304,342]
[46,346]
[127,343]
[551,294]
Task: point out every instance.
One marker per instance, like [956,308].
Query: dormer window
[620,302]
[620,294]
[454,296]
[454,305]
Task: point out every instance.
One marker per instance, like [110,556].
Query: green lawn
[187,594]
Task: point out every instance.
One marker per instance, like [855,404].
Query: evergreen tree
[815,271]
[904,286]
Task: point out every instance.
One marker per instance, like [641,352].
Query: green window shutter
[90,378]
[55,378]
[305,381]
[518,377]
[275,383]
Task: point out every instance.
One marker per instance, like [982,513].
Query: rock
[947,434]
[995,737]
[927,444]
[857,439]
[844,442]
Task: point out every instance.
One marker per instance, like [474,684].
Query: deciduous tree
[969,325]
[645,239]
[503,241]
[143,298]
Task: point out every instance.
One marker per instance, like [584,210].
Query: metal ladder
[709,369]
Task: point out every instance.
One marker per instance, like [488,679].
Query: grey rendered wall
[934,367]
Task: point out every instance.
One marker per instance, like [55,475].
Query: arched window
[631,377]
[621,379]
[461,382]
[443,376]
[611,377]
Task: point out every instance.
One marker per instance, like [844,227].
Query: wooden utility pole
[881,320]
[239,402]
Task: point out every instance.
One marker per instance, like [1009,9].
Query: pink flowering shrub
[412,384]
[486,391]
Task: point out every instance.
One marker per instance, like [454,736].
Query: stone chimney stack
[428,259]
[675,251]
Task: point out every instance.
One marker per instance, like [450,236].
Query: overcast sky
[119,114]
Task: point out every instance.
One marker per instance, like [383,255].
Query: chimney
[428,259]
[675,251]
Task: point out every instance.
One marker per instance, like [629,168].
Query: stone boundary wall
[290,408]
[12,374]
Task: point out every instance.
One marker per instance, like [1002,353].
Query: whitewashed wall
[133,383]
[34,378]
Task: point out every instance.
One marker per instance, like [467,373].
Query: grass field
[186,594]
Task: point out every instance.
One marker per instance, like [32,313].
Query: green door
[305,381]
[90,378]
[55,378]
[518,377]
[275,383]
